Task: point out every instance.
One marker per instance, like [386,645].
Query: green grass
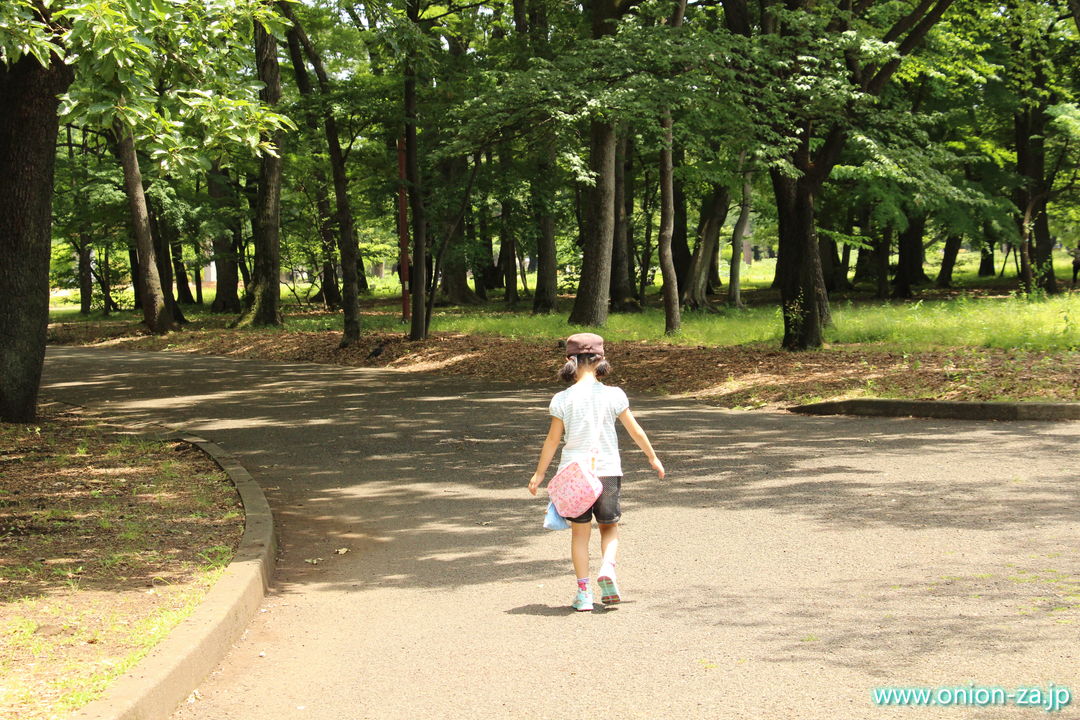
[1051,324]
[981,315]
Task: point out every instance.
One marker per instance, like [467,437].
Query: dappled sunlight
[329,428]
[797,541]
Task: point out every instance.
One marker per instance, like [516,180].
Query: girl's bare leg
[609,542]
[579,547]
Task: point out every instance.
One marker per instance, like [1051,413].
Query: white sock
[609,555]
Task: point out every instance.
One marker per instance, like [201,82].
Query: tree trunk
[507,235]
[841,258]
[645,259]
[628,210]
[197,276]
[1036,244]
[156,313]
[28,130]
[714,210]
[986,260]
[183,289]
[454,264]
[948,261]
[492,277]
[547,280]
[715,284]
[418,277]
[164,236]
[597,221]
[86,277]
[226,298]
[672,318]
[802,287]
[531,24]
[622,295]
[881,257]
[82,245]
[909,269]
[136,279]
[479,289]
[489,271]
[672,202]
[1044,251]
[454,270]
[591,303]
[265,309]
[329,293]
[353,278]
[865,265]
[841,279]
[830,259]
[104,278]
[738,236]
[680,242]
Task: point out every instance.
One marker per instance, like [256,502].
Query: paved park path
[788,566]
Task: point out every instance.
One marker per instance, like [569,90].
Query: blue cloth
[553,520]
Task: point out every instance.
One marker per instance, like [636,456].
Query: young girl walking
[583,416]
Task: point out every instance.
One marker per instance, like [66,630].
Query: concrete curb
[159,682]
[942,409]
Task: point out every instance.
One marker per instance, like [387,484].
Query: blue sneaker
[583,601]
[609,590]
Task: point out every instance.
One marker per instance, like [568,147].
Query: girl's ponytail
[569,371]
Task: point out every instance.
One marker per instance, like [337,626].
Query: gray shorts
[606,508]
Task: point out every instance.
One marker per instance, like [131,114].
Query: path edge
[944,409]
[156,686]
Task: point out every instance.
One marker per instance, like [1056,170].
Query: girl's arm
[642,440]
[551,444]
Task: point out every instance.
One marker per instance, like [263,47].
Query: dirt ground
[107,540]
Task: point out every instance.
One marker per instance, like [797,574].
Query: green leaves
[175,71]
[24,31]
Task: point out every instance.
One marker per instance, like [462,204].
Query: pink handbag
[574,489]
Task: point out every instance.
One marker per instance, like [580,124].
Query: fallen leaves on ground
[734,377]
[106,541]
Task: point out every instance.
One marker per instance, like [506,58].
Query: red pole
[403,231]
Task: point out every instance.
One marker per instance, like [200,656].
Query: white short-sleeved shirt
[588,411]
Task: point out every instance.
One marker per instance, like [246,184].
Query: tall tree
[30,85]
[157,315]
[622,293]
[593,294]
[1040,67]
[418,276]
[265,296]
[821,122]
[738,238]
[672,315]
[353,279]
[226,260]
[714,209]
[542,191]
[330,294]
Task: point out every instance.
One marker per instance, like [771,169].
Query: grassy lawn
[980,312]
[107,541]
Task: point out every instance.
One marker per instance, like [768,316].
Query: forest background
[896,176]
